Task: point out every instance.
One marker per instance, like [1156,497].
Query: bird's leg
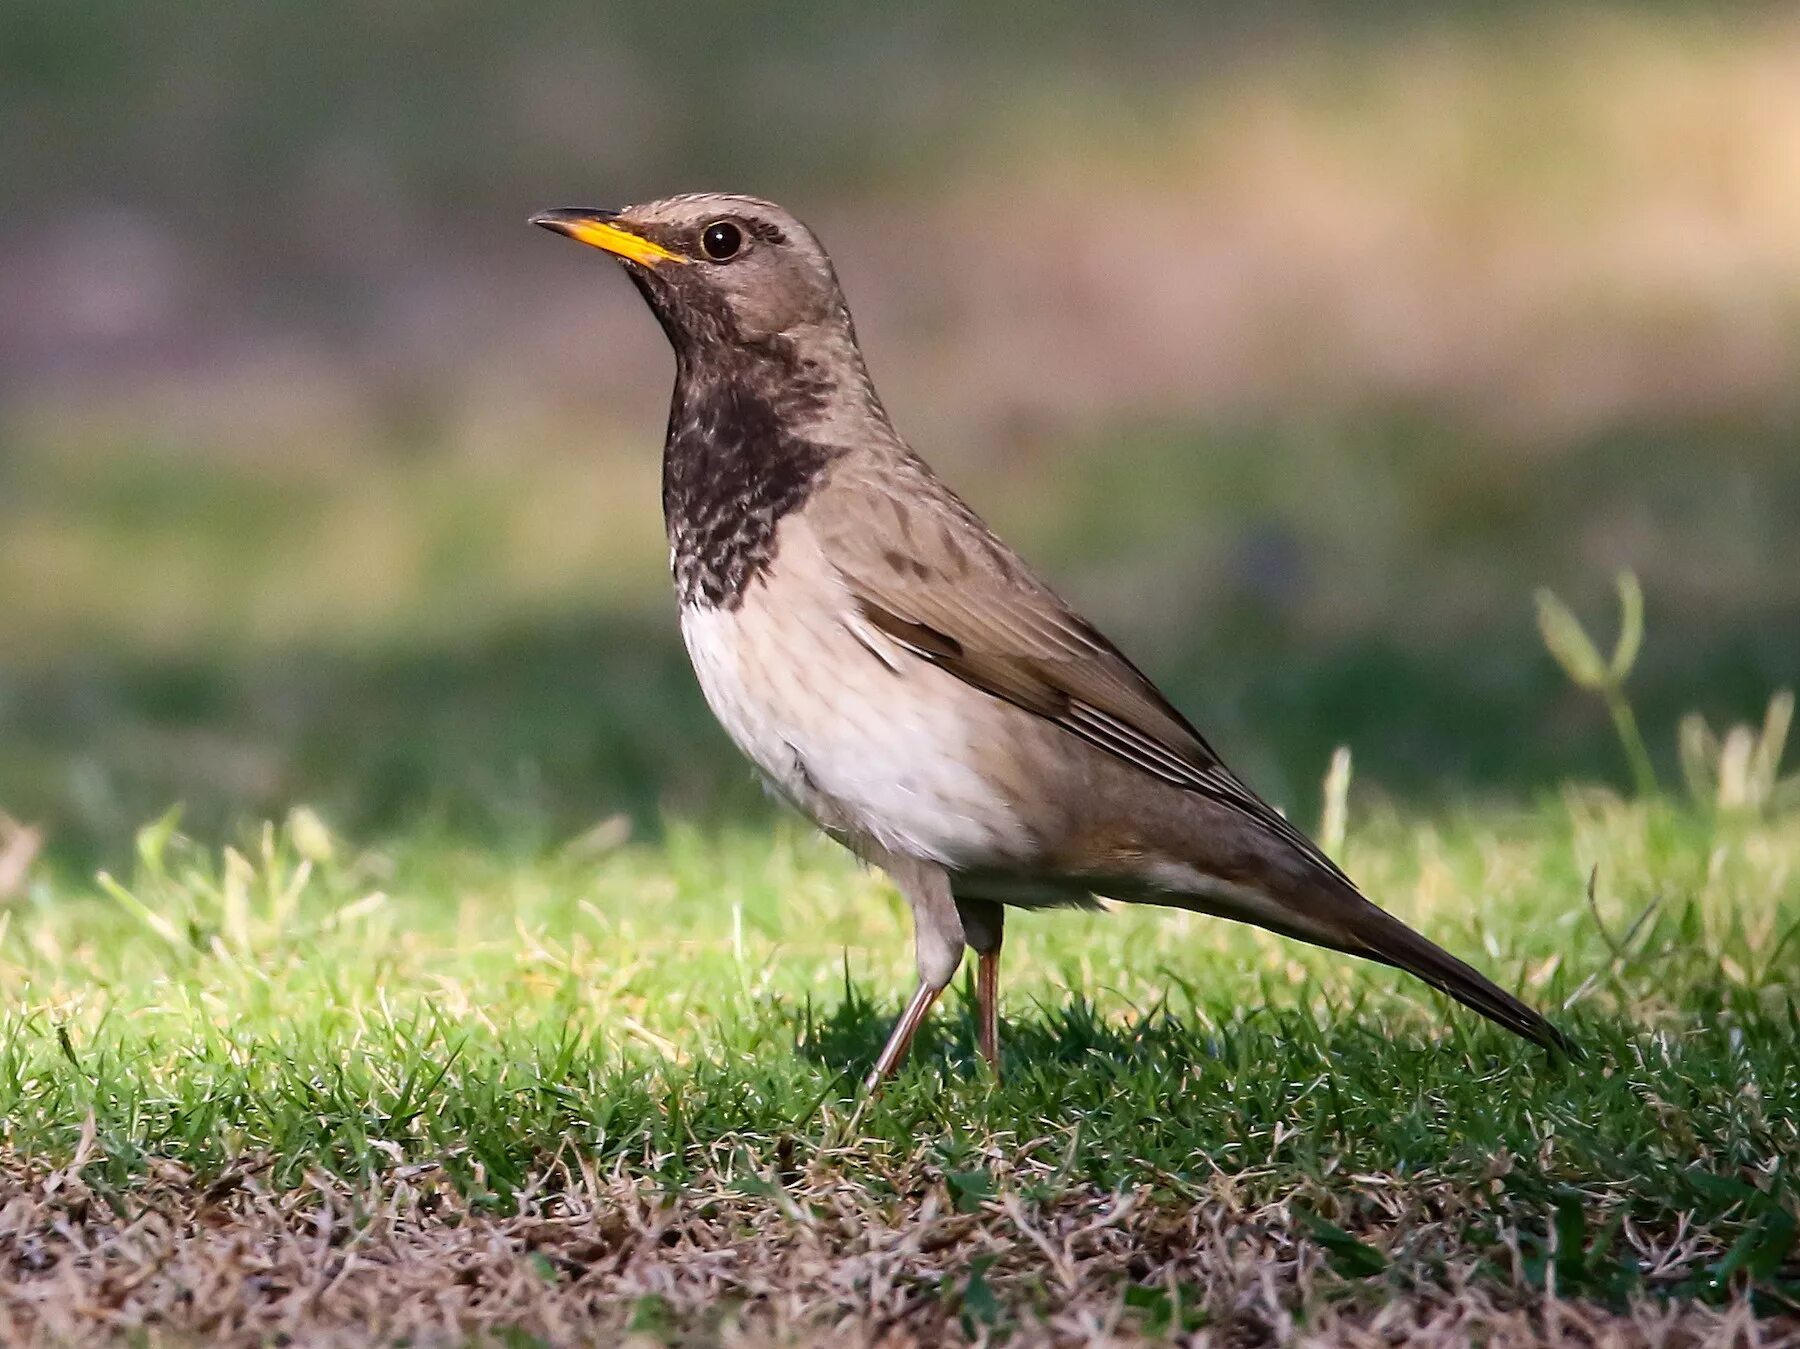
[899,1041]
[938,944]
[983,927]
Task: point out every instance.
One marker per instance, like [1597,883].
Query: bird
[902,676]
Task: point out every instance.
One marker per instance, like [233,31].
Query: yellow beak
[593,226]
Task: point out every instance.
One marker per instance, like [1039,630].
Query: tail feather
[1385,938]
[1326,909]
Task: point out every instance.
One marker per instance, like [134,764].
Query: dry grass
[805,1257]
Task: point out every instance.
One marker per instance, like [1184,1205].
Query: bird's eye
[721,240]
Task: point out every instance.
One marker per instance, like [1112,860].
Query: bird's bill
[595,227]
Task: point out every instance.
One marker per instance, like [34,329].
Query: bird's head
[719,270]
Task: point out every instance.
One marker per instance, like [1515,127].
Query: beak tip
[561,217]
[593,226]
[557,222]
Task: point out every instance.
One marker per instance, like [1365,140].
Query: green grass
[562,985]
[704,1005]
[560,955]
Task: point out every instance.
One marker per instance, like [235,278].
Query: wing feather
[937,582]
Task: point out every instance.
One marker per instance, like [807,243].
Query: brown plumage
[901,675]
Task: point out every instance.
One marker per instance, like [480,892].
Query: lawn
[540,1023]
[537,1022]
[328,497]
[303,1087]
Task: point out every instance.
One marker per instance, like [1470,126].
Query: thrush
[899,674]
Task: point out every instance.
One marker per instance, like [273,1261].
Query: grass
[554,1033]
[676,1028]
[551,1034]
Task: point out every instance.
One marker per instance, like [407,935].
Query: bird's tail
[1322,906]
[1381,936]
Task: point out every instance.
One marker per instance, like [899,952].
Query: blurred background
[1299,344]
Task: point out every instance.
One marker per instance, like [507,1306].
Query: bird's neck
[752,431]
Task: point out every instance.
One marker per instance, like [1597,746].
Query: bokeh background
[1298,343]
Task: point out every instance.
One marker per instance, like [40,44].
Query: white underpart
[858,738]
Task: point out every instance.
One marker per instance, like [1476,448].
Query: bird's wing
[925,571]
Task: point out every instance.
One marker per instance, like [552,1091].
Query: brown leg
[893,1053]
[987,1007]
[938,944]
[983,928]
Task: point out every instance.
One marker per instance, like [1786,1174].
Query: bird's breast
[889,750]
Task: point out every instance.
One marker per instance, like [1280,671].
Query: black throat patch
[734,465]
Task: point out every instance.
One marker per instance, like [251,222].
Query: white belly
[859,747]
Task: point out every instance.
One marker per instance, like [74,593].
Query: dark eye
[721,240]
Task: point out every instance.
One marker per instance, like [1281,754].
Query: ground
[1299,347]
[304,1090]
